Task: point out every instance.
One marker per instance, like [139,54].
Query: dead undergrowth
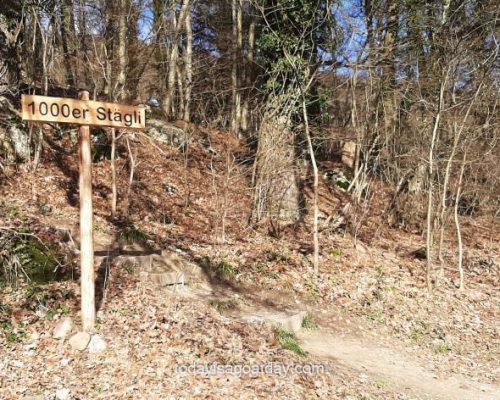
[370,285]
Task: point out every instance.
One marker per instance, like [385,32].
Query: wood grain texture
[87,278]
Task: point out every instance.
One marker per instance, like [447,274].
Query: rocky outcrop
[167,133]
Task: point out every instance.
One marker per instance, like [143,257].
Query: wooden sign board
[81,112]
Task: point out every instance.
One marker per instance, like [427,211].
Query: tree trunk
[430,200]
[178,22]
[68,41]
[180,91]
[446,8]
[188,65]
[159,37]
[11,61]
[122,50]
[245,112]
[235,81]
[132,165]
[109,50]
[456,139]
[315,188]
[457,225]
[388,84]
[276,194]
[82,46]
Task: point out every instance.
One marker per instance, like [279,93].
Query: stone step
[291,321]
[163,278]
[163,267]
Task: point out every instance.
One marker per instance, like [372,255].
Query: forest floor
[371,326]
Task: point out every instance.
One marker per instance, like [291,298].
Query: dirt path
[390,367]
[384,365]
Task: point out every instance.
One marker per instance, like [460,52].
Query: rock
[172,261]
[336,177]
[167,269]
[166,278]
[105,245]
[97,344]
[63,328]
[104,242]
[348,153]
[20,141]
[62,394]
[14,139]
[420,253]
[142,263]
[79,341]
[334,222]
[167,133]
[292,322]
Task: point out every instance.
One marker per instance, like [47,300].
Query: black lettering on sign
[43,108]
[128,119]
[54,110]
[65,110]
[101,113]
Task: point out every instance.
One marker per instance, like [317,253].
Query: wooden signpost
[84,113]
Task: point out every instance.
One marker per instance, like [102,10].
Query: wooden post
[86,236]
[113,173]
[84,113]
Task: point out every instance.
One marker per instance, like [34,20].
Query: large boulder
[167,133]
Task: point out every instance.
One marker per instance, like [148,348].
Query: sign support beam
[87,275]
[84,113]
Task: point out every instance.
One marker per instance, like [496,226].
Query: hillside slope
[193,199]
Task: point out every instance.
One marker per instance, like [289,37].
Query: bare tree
[122,49]
[315,186]
[178,21]
[457,224]
[188,66]
[236,65]
[430,194]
